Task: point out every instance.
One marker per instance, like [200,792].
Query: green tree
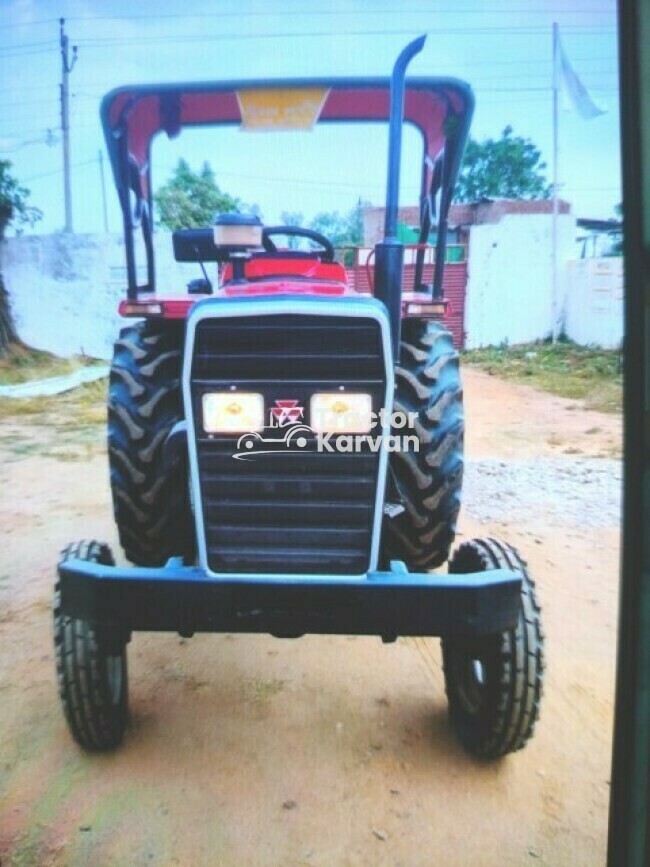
[355,218]
[343,230]
[333,225]
[506,168]
[190,200]
[15,211]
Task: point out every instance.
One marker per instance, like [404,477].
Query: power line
[322,13]
[112,41]
[21,46]
[299,181]
[465,66]
[16,105]
[40,51]
[36,87]
[31,132]
[17,129]
[307,13]
[611,69]
[534,77]
[48,138]
[28,23]
[338,13]
[57,171]
[351,184]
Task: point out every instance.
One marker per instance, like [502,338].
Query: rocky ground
[322,751]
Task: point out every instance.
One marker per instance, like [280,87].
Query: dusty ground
[322,751]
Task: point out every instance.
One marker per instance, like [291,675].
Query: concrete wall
[594,302]
[64,289]
[509,290]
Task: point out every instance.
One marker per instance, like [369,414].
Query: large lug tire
[494,684]
[91,668]
[428,481]
[150,498]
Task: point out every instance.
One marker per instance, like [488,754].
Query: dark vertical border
[629,837]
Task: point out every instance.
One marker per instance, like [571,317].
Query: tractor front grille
[285,510]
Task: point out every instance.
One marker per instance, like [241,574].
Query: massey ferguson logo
[285,413]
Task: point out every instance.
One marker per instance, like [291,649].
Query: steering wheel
[297,231]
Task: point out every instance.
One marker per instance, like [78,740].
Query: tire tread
[149,498]
[93,721]
[520,654]
[428,481]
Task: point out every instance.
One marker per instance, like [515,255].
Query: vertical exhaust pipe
[389,254]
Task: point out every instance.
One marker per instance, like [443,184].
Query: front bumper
[389,604]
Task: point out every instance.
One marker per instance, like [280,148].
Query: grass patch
[85,405]
[565,369]
[73,410]
[23,364]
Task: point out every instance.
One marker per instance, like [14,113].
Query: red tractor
[286,453]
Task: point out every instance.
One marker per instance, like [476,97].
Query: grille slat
[285,560]
[295,538]
[279,382]
[305,512]
[278,515]
[217,457]
[277,491]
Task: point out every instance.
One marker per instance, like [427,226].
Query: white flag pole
[556,85]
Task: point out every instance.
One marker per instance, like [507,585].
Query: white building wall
[594,303]
[510,287]
[64,289]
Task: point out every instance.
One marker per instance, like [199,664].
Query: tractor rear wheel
[150,497]
[428,480]
[91,668]
[494,684]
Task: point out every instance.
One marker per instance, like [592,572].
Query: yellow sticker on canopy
[277,108]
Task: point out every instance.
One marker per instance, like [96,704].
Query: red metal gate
[454,282]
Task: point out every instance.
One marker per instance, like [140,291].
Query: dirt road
[322,751]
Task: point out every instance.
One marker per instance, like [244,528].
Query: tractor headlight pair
[242,412]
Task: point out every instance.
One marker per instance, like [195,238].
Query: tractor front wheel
[428,479]
[494,684]
[150,493]
[91,668]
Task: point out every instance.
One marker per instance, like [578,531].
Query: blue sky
[502,48]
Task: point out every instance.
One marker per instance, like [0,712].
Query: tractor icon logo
[295,438]
[289,433]
[285,413]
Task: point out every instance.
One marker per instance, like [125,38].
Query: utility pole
[67,65]
[101,175]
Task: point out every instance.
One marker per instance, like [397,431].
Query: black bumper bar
[184,599]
